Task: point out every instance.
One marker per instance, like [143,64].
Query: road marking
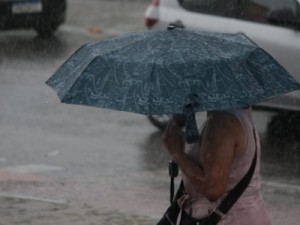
[33,168]
[54,153]
[24,197]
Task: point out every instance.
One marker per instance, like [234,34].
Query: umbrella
[171,71]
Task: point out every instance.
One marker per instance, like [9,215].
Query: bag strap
[235,193]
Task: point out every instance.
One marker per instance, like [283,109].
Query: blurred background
[68,164]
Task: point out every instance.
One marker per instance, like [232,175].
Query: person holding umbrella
[180,71]
[212,166]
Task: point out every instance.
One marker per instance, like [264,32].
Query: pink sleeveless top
[250,208]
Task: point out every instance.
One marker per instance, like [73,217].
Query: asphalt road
[66,164]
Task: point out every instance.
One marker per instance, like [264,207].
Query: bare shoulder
[222,140]
[223,127]
[223,120]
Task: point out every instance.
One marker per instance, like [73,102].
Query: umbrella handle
[192,132]
[173,172]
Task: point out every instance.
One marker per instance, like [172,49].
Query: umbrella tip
[171,27]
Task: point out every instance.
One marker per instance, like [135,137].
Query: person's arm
[222,139]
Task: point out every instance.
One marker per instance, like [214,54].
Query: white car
[273,24]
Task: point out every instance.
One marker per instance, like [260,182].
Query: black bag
[170,216]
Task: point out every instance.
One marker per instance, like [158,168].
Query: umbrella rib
[152,81]
[157,80]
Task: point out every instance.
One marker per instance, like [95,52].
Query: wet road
[69,164]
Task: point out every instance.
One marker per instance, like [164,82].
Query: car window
[279,12]
[260,10]
[228,8]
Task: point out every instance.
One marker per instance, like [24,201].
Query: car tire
[161,121]
[46,31]
[285,126]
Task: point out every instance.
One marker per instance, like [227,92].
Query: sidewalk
[94,204]
[15,210]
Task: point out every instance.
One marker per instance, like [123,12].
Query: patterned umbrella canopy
[171,71]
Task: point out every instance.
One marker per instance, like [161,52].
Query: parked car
[273,24]
[45,16]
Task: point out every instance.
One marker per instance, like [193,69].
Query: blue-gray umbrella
[171,71]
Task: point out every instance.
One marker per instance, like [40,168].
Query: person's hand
[174,138]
